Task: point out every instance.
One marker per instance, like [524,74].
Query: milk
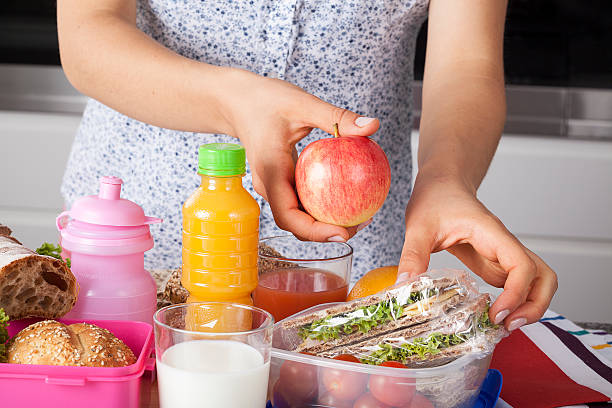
[212,373]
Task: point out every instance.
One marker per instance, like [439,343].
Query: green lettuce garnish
[426,346]
[363,319]
[484,322]
[53,251]
[3,335]
[420,346]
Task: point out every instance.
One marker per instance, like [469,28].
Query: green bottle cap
[221,159]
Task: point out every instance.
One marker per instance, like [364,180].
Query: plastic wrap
[428,321]
[437,325]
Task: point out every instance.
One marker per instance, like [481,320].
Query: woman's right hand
[270,116]
[106,56]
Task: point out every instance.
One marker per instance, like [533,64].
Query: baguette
[33,285]
[5,230]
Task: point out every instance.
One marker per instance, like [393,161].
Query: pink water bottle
[107,237]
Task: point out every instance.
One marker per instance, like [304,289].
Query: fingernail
[336,238]
[363,121]
[515,324]
[364,224]
[499,317]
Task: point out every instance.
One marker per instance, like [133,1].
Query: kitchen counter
[606,327]
[149,397]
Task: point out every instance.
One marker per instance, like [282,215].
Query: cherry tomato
[394,364]
[420,401]
[278,398]
[298,382]
[344,384]
[368,401]
[347,357]
[329,401]
[394,391]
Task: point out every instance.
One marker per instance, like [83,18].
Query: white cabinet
[34,150]
[555,195]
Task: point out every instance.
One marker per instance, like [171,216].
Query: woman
[167,76]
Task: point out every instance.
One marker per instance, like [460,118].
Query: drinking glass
[212,355]
[295,275]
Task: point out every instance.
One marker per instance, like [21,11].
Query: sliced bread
[33,285]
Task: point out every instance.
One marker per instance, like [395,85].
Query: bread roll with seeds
[33,285]
[53,343]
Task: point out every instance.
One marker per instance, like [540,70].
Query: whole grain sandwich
[433,343]
[426,322]
[404,306]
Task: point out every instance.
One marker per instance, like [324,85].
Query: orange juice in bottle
[220,230]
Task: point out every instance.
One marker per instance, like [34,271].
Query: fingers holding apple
[278,116]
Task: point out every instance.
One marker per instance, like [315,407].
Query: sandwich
[424,323]
[435,342]
[403,306]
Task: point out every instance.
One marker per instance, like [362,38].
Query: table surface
[149,398]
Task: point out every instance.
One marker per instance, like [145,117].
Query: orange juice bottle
[220,230]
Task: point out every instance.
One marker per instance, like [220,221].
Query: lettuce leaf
[420,346]
[53,251]
[3,335]
[427,346]
[363,319]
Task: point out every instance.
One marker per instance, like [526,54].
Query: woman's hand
[270,116]
[444,214]
[462,118]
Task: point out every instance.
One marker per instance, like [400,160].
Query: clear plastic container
[301,380]
[25,385]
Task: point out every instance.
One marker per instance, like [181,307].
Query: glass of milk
[213,354]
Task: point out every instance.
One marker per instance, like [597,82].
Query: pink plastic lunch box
[24,386]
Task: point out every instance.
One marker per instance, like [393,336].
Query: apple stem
[336,131]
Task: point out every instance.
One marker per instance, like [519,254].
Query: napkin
[554,363]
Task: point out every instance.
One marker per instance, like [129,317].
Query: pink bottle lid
[106,224]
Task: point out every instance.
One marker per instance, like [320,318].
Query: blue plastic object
[491,388]
[489,394]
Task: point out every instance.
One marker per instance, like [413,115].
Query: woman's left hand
[445,214]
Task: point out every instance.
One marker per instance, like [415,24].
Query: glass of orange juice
[221,364]
[295,275]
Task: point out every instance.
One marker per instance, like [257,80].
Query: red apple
[342,180]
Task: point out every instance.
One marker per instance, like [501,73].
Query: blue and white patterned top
[356,54]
